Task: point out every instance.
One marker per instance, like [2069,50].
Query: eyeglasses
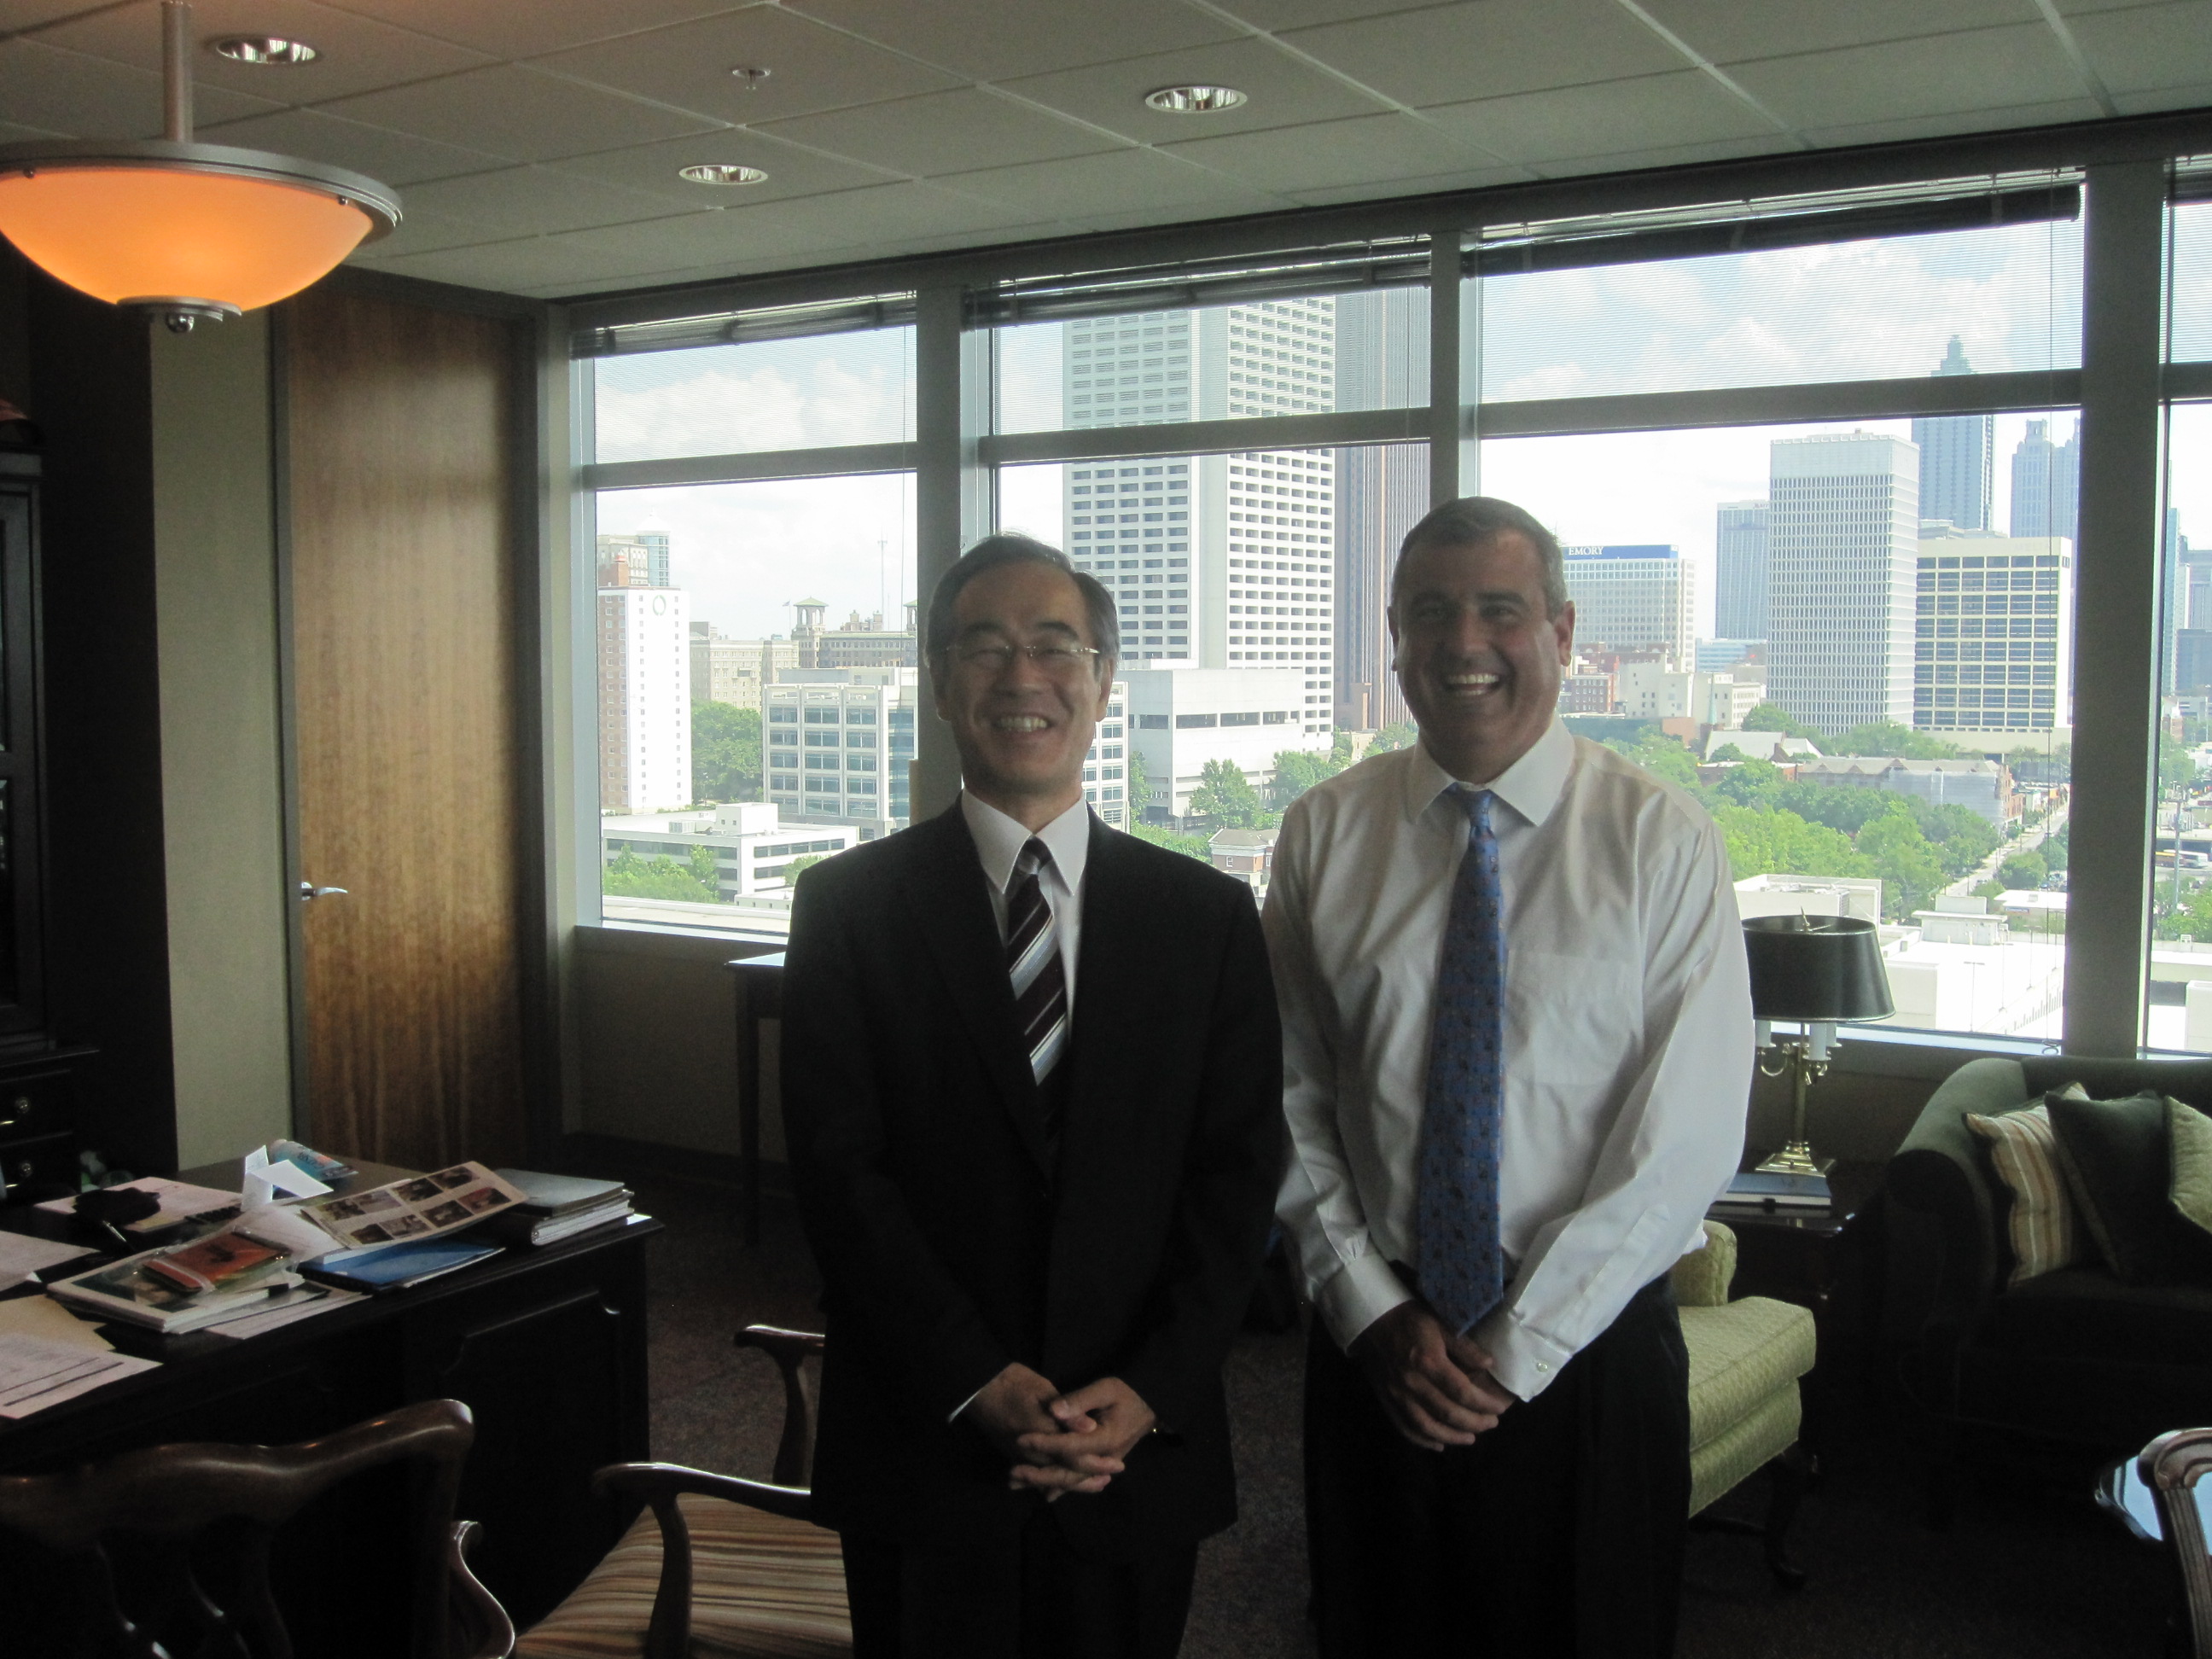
[1057,658]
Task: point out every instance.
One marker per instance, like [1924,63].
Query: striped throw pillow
[2024,1153]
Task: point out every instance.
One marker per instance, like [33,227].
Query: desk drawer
[34,1106]
[33,1169]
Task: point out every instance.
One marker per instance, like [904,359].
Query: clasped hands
[1437,1389]
[1056,1443]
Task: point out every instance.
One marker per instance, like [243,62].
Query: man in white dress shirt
[1516,1009]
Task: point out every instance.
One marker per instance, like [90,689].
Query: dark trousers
[1016,1597]
[1560,1532]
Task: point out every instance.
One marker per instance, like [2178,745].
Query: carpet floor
[2030,1571]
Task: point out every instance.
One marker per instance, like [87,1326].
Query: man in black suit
[1038,1214]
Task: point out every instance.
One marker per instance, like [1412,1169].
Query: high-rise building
[1382,492]
[2046,482]
[736,671]
[1221,561]
[1957,458]
[1181,718]
[1740,571]
[1842,578]
[634,561]
[858,643]
[838,743]
[1634,598]
[1992,663]
[2174,570]
[645,699]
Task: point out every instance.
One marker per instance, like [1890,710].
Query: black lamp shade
[1808,968]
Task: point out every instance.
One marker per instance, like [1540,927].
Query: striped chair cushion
[2024,1153]
[760,1585]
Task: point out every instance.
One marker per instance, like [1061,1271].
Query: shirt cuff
[1523,1363]
[966,1403]
[1362,1291]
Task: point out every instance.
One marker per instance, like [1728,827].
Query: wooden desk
[547,1347]
[760,996]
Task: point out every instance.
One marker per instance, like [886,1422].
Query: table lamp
[1815,971]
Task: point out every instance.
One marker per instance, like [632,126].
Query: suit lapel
[1113,964]
[952,906]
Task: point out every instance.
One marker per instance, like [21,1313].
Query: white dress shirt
[999,843]
[1628,1034]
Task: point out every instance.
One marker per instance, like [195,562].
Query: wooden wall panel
[404,686]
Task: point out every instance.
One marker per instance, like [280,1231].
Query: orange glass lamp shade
[201,231]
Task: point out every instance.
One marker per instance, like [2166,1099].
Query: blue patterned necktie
[1461,1263]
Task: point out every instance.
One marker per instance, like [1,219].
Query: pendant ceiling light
[184,230]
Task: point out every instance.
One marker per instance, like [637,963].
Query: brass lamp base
[1797,1158]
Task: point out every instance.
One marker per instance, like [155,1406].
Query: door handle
[309,890]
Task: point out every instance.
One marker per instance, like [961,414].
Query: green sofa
[2073,1359]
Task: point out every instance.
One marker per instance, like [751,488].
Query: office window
[2190,307]
[2177,994]
[812,392]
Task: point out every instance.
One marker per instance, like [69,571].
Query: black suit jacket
[950,1245]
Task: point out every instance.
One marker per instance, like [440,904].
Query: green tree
[799,866]
[1175,840]
[2037,767]
[1763,842]
[1888,737]
[706,869]
[1727,751]
[1398,735]
[725,752]
[631,877]
[1225,795]
[1846,808]
[2176,770]
[1751,783]
[1896,851]
[1773,717]
[1140,786]
[1961,836]
[2022,870]
[2053,850]
[1297,771]
[1660,756]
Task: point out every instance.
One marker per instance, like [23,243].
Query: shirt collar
[999,840]
[1531,786]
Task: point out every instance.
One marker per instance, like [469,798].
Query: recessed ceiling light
[722,172]
[752,74]
[1193,101]
[263,49]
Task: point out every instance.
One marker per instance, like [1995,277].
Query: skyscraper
[645,699]
[1382,492]
[1217,561]
[1633,598]
[1957,458]
[1740,554]
[2046,482]
[1992,658]
[1842,582]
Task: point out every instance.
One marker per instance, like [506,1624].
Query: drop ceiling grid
[539,143]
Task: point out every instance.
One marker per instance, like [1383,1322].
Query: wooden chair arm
[659,1484]
[789,1349]
[479,1616]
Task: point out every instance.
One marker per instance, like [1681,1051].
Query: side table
[760,996]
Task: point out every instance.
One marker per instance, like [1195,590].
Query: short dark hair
[1476,521]
[1009,548]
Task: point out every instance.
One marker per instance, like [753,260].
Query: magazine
[131,1291]
[421,1207]
[214,1262]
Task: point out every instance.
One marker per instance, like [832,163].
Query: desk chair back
[183,1500]
[2171,1466]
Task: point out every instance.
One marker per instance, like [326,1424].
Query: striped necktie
[1034,965]
[1461,1262]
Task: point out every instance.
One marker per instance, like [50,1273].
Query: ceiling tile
[1284,92]
[2150,47]
[810,67]
[1279,15]
[887,212]
[1124,181]
[945,132]
[1948,123]
[991,40]
[396,158]
[1665,155]
[91,98]
[1729,31]
[505,267]
[792,171]
[1485,48]
[533,202]
[2074,8]
[1365,149]
[2166,98]
[16,16]
[11,133]
[357,53]
[424,233]
[1469,178]
[1938,76]
[518,113]
[1682,108]
[506,29]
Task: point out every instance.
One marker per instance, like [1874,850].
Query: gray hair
[1476,521]
[1005,548]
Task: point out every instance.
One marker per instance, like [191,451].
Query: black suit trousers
[1560,1532]
[1024,1597]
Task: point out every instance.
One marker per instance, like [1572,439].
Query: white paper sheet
[178,1199]
[34,1375]
[264,1180]
[43,1317]
[21,1255]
